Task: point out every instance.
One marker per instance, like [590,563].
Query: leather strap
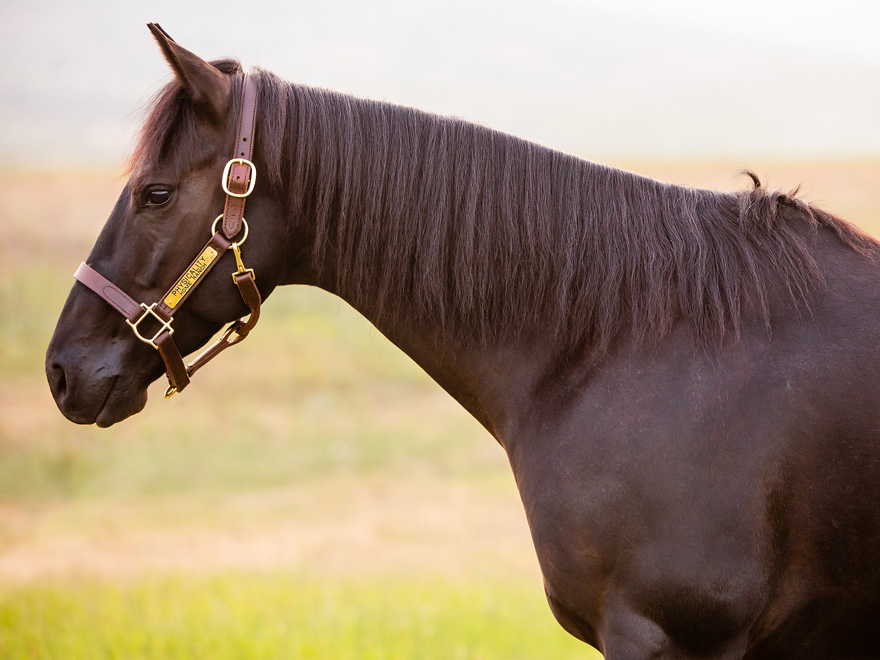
[240,173]
[112,294]
[219,243]
[247,287]
[178,377]
[238,330]
[240,180]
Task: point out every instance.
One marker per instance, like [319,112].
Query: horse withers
[686,382]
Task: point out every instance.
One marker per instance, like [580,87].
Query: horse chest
[647,531]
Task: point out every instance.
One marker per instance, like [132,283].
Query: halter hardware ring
[243,221]
[252,177]
[151,311]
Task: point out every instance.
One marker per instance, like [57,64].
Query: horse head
[128,300]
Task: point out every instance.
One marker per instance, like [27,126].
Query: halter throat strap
[238,181]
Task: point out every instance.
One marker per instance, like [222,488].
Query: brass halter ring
[243,221]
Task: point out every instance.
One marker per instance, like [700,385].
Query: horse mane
[484,235]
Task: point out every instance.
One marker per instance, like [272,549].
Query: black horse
[686,382]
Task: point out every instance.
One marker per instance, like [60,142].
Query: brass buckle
[166,325]
[251,183]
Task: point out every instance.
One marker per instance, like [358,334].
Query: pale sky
[666,78]
[847,27]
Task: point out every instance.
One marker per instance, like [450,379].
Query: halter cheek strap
[238,180]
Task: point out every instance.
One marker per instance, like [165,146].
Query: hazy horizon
[594,78]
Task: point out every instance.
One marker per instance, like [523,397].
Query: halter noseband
[238,180]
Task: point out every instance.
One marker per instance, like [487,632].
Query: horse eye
[157,197]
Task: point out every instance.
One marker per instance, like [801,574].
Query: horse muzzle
[93,387]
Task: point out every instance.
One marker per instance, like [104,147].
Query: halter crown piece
[238,181]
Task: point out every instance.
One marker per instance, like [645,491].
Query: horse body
[691,493]
[686,502]
[732,490]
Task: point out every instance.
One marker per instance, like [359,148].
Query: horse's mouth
[120,404]
[103,403]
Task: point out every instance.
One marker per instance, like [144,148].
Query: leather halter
[238,180]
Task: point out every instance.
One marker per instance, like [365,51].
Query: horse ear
[204,83]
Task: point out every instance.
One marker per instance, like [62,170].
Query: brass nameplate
[190,277]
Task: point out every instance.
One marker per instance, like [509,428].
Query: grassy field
[276,615]
[345,507]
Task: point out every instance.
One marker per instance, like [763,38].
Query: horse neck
[472,250]
[378,198]
[488,259]
[468,228]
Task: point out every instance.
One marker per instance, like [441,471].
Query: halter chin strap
[238,180]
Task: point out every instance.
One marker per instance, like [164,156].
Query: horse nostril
[57,380]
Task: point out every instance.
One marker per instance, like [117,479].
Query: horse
[686,382]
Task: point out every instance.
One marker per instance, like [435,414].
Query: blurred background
[599,78]
[346,507]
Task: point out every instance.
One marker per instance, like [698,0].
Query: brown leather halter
[238,180]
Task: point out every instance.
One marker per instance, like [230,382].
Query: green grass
[281,616]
